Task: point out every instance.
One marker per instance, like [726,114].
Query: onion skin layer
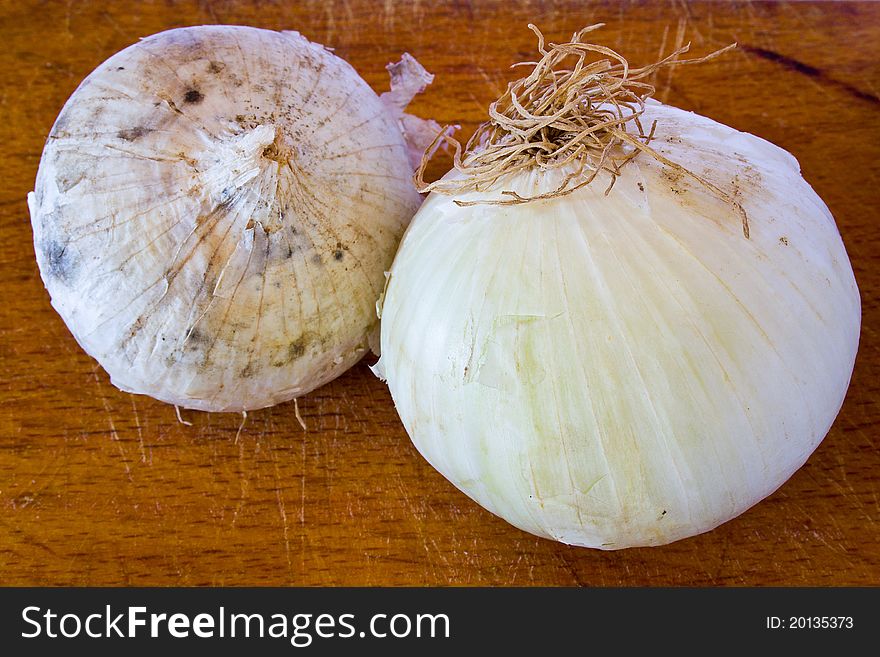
[214,212]
[625,370]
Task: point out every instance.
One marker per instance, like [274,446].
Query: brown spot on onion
[193,97]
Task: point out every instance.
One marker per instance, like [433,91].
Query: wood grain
[98,487]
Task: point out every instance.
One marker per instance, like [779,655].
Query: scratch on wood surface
[828,541]
[140,433]
[302,493]
[845,488]
[570,567]
[67,11]
[496,85]
[284,529]
[687,15]
[302,508]
[514,571]
[403,488]
[243,483]
[32,541]
[117,28]
[126,575]
[114,436]
[662,93]
[330,17]
[209,8]
[388,15]
[418,13]
[681,31]
[719,573]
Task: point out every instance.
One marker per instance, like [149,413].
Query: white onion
[624,370]
[214,211]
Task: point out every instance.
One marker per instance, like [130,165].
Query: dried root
[568,110]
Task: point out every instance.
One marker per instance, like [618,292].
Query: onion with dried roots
[215,208]
[616,323]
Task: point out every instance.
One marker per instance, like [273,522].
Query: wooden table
[98,487]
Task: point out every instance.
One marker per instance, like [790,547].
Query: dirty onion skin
[214,211]
[627,366]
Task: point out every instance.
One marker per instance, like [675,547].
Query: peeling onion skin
[214,212]
[625,370]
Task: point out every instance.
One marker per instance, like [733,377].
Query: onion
[625,368]
[214,211]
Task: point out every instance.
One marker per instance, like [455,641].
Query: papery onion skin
[625,370]
[214,211]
